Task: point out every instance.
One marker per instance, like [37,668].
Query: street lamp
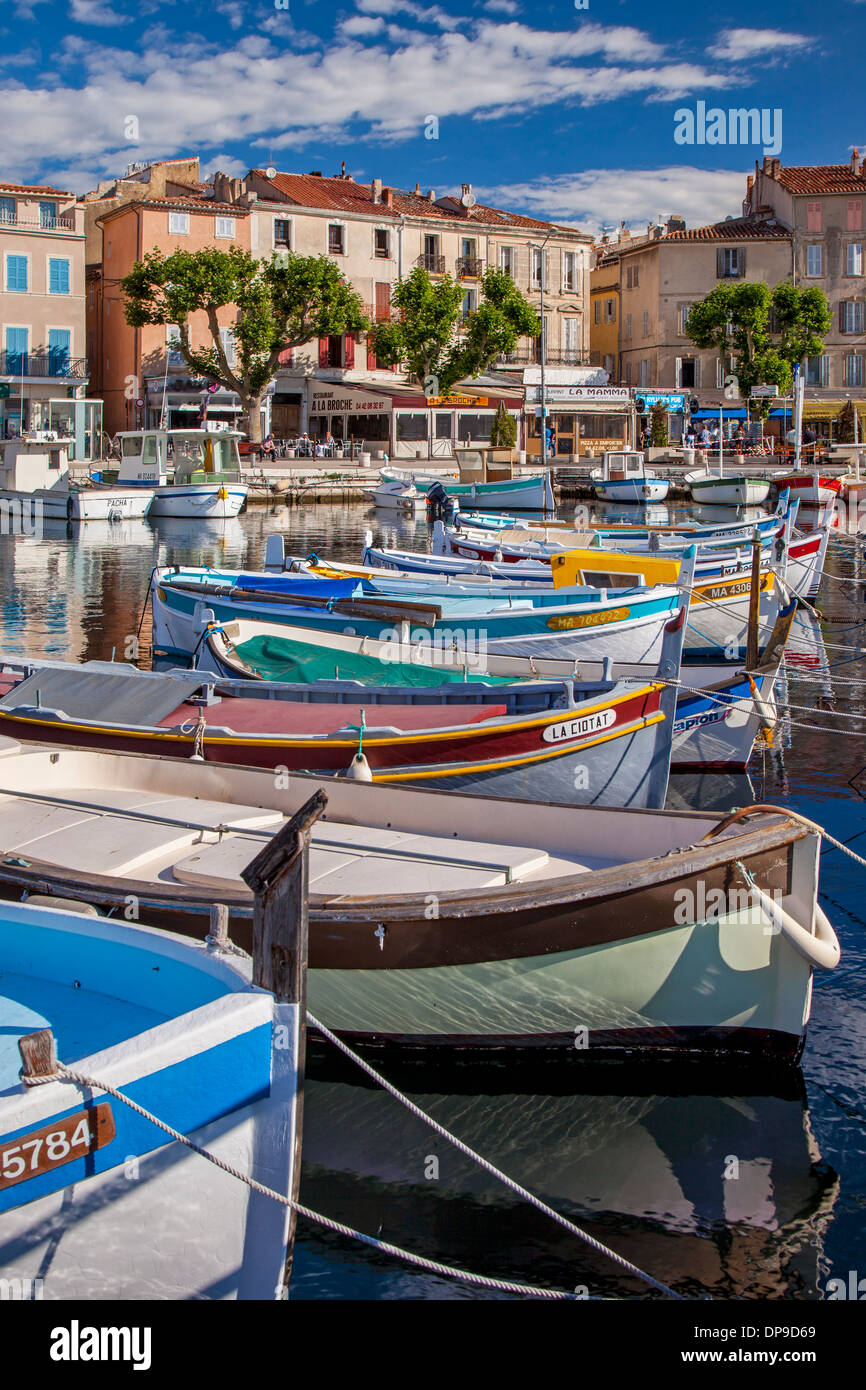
[539,246]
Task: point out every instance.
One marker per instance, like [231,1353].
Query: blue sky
[562,112]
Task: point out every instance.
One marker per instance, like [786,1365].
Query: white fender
[822,951]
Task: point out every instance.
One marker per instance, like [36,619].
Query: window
[628,373]
[814,217]
[570,334]
[469,251]
[646,323]
[225,226]
[597,311]
[643,372]
[854,369]
[537,268]
[608,363]
[469,304]
[631,278]
[685,310]
[851,316]
[720,373]
[730,263]
[59,343]
[569,270]
[507,260]
[16,274]
[855,215]
[382,243]
[58,276]
[282,232]
[47,214]
[412,428]
[474,427]
[610,311]
[16,351]
[854,258]
[178,223]
[7,209]
[336,239]
[814,260]
[818,370]
[227,337]
[172,343]
[688,372]
[628,326]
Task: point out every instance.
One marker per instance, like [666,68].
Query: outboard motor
[440,507]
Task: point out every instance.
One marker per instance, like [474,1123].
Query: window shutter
[741,262]
[720,262]
[286,357]
[843,317]
[323,352]
[697,371]
[349,351]
[678,377]
[371,356]
[383,301]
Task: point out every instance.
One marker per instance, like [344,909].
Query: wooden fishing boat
[593,742]
[720,707]
[445,920]
[96,1201]
[693,530]
[624,477]
[727,489]
[810,486]
[626,624]
[530,494]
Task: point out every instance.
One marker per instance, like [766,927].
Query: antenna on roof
[270,172]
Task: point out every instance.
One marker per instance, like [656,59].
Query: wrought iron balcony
[470,267]
[434,263]
[42,364]
[64,223]
[553,357]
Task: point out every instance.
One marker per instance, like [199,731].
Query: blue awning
[732,413]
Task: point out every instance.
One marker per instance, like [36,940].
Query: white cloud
[96,12]
[233,11]
[425,14]
[735,45]
[594,196]
[502,6]
[362,26]
[227,164]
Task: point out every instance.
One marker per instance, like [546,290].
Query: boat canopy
[147,455]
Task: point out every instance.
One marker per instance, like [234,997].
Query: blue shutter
[16,273]
[58,351]
[16,351]
[58,276]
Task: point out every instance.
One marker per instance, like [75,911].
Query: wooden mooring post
[279,878]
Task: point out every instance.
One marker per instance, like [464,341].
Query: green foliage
[280,303]
[734,319]
[844,422]
[424,337]
[503,432]
[659,426]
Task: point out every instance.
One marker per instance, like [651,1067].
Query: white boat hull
[214,502]
[90,504]
[633,490]
[734,491]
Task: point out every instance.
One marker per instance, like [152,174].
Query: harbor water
[720,1187]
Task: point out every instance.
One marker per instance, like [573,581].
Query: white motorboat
[399,492]
[623,477]
[727,489]
[205,481]
[34,477]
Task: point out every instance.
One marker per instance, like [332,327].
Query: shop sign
[582,395]
[458,400]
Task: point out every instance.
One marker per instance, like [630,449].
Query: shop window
[368,427]
[412,428]
[443,426]
[474,427]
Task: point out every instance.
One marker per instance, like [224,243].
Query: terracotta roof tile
[821,178]
[344,195]
[736,229]
[33,188]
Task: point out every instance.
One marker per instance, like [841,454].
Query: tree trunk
[253,408]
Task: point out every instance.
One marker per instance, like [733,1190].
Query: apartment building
[377,235]
[604,306]
[42,317]
[140,372]
[822,206]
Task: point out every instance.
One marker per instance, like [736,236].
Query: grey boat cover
[111,697]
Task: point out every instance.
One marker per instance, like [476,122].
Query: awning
[728,413]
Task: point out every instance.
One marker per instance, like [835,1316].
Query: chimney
[431,195]
[315,173]
[388,197]
[855,160]
[768,164]
[417,190]
[777,165]
[376,190]
[342,168]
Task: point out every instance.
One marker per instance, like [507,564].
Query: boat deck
[125,833]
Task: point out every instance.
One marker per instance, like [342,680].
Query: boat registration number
[45,1149]
[578,728]
[567,620]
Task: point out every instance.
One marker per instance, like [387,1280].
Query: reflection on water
[644,1171]
[714,1195]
